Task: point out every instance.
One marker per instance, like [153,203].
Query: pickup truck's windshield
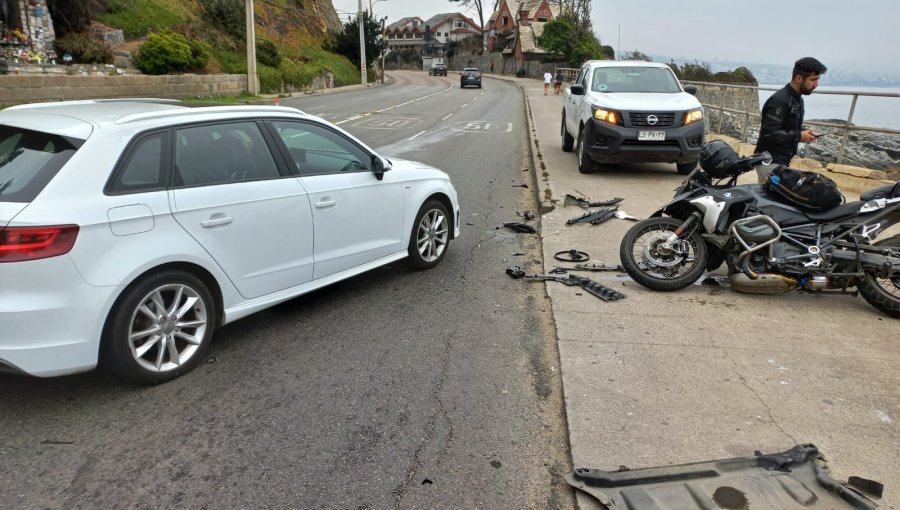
[634,79]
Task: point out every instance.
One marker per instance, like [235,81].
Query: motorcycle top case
[807,189]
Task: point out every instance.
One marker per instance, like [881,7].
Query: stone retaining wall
[41,88]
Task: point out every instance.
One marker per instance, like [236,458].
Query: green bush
[521,73]
[267,53]
[139,17]
[168,52]
[84,48]
[228,15]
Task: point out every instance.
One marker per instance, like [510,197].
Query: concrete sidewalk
[704,373]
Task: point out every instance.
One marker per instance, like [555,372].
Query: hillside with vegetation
[208,36]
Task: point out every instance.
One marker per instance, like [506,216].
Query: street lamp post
[362,45]
[252,83]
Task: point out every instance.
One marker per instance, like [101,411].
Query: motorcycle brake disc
[571,256]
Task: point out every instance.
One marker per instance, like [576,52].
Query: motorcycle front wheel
[652,260]
[882,293]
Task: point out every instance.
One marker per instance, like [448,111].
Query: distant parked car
[470,76]
[131,230]
[438,70]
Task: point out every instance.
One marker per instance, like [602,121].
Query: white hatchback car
[130,230]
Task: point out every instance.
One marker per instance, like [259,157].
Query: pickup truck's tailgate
[796,479]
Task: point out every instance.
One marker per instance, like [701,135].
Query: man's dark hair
[808,66]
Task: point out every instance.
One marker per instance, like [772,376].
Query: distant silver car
[130,230]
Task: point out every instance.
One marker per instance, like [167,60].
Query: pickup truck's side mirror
[691,89]
[577,90]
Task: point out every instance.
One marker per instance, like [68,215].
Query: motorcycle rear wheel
[882,293]
[649,263]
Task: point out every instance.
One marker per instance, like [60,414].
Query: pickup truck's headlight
[608,116]
[692,116]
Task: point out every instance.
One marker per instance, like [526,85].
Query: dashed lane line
[395,106]
[416,135]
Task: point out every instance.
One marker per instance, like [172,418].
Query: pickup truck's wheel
[568,141]
[686,168]
[585,164]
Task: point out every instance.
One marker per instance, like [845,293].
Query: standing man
[782,114]
[547,78]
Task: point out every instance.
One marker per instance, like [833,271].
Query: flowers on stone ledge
[26,56]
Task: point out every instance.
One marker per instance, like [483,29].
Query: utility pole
[252,81]
[362,45]
[383,48]
[619,44]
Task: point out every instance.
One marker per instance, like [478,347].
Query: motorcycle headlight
[692,116]
[608,116]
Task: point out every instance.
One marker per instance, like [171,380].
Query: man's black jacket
[782,121]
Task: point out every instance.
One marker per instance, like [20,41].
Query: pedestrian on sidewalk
[547,78]
[781,129]
[559,80]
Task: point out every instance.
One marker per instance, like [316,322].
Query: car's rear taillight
[19,244]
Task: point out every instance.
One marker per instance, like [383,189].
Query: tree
[607,52]
[561,37]
[347,41]
[635,55]
[479,8]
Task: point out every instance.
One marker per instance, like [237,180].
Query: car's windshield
[634,79]
[28,160]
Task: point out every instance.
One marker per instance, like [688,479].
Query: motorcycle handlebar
[751,162]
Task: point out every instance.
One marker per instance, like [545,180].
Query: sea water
[878,112]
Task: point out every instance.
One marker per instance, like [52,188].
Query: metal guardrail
[847,128]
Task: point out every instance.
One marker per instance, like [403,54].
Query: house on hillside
[514,29]
[430,37]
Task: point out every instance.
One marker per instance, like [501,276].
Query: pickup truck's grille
[664,119]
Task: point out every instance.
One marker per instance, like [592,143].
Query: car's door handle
[322,204]
[216,221]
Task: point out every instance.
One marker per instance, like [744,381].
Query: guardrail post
[840,157]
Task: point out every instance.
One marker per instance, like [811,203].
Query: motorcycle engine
[769,280]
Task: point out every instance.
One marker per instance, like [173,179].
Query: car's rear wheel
[159,328]
[686,168]
[430,235]
[585,163]
[568,141]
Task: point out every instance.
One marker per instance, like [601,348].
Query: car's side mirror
[691,89]
[577,90]
[378,167]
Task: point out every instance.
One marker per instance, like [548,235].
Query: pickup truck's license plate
[651,136]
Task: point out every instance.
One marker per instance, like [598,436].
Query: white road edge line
[416,135]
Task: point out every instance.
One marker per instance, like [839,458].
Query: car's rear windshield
[634,79]
[29,160]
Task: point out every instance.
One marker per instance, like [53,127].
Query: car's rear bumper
[606,143]
[51,320]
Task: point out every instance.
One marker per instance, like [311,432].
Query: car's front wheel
[585,163]
[159,328]
[430,235]
[568,141]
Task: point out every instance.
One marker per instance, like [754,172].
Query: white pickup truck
[631,112]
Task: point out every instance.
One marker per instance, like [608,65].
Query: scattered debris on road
[622,215]
[571,256]
[522,228]
[586,203]
[596,288]
[528,215]
[797,478]
[597,268]
[594,217]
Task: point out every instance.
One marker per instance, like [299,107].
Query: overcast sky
[853,35]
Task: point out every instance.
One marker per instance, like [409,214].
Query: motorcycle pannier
[716,159]
[808,189]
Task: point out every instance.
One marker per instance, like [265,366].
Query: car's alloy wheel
[585,164]
[160,328]
[431,235]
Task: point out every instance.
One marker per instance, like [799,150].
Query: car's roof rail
[210,109]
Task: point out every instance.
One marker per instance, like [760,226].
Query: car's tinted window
[317,150]
[221,154]
[29,160]
[142,169]
[634,79]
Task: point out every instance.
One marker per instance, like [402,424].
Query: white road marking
[416,135]
[359,98]
[463,106]
[356,117]
[314,108]
[448,116]
[475,98]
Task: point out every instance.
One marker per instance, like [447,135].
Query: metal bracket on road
[596,268]
[586,203]
[596,288]
[522,228]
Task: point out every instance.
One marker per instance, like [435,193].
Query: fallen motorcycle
[770,244]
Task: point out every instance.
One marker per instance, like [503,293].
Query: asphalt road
[396,389]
